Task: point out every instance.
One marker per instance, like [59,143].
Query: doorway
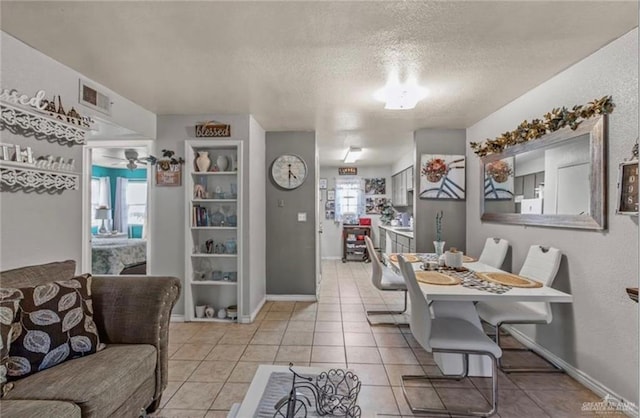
[116,200]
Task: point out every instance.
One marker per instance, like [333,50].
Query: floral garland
[553,121]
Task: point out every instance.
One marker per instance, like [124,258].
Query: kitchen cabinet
[394,242]
[409,174]
[402,183]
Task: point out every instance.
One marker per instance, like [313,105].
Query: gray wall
[41,227]
[331,240]
[168,211]
[598,332]
[291,245]
[438,141]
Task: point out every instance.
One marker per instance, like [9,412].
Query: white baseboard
[586,380]
[292,298]
[248,319]
[332,258]
[177,318]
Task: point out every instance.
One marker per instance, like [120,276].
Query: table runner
[472,281]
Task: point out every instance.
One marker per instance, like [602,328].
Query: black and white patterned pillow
[56,325]
[9,303]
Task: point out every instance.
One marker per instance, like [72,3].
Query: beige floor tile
[172,348]
[360,327]
[328,338]
[368,355]
[424,357]
[370,374]
[354,317]
[207,336]
[395,371]
[193,395]
[297,338]
[235,339]
[180,370]
[390,340]
[516,403]
[563,403]
[278,316]
[271,325]
[226,352]
[544,381]
[324,326]
[377,400]
[356,300]
[465,399]
[321,354]
[282,306]
[212,371]
[304,326]
[198,351]
[243,372]
[169,391]
[260,353]
[303,315]
[327,366]
[294,354]
[267,338]
[352,308]
[434,371]
[420,397]
[180,413]
[216,414]
[230,394]
[301,306]
[392,355]
[328,307]
[329,316]
[359,339]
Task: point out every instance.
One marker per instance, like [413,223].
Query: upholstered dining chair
[494,252]
[541,264]
[384,278]
[447,335]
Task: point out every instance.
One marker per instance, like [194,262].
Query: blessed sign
[348,171]
[213,130]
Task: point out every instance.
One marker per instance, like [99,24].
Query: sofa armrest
[136,310]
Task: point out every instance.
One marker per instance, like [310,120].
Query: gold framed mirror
[558,180]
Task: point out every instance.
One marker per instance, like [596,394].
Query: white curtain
[121,211]
[349,204]
[104,194]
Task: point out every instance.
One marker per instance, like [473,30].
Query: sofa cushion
[39,274]
[56,325]
[39,409]
[99,383]
[9,302]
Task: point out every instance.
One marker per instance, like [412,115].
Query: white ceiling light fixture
[401,96]
[352,155]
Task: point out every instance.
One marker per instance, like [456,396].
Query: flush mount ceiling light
[352,155]
[397,96]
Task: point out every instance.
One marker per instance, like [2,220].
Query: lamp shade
[103,213]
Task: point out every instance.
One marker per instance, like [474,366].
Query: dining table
[458,301]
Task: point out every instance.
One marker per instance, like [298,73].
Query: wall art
[375,186]
[442,177]
[375,205]
[498,179]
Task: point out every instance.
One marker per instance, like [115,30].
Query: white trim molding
[177,318]
[248,319]
[292,298]
[586,380]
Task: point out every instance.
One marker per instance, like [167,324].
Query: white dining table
[457,301]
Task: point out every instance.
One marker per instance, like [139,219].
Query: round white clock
[289,171]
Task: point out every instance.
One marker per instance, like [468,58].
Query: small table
[251,400]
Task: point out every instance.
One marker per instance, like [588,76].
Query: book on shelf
[200,216]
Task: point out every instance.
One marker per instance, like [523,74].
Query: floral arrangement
[557,119]
[386,212]
[499,171]
[439,217]
[168,160]
[434,169]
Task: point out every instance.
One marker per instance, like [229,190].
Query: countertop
[395,230]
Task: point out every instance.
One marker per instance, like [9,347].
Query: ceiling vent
[90,96]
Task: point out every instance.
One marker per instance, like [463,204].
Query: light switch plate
[280,203]
[302,216]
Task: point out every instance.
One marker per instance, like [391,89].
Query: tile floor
[212,364]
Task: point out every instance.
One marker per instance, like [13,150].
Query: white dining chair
[383,278]
[447,335]
[494,252]
[541,264]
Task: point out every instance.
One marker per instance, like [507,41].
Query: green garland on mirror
[553,121]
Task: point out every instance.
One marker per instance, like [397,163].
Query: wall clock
[289,171]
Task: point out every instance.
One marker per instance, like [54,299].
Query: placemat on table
[472,281]
[437,278]
[468,259]
[409,258]
[508,279]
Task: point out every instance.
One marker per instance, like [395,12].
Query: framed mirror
[558,180]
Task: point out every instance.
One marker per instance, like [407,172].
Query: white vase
[203,162]
[222,163]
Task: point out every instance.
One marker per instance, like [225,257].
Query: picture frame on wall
[628,188]
[442,177]
[169,178]
[375,186]
[322,184]
[331,194]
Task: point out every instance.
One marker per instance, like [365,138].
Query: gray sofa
[127,377]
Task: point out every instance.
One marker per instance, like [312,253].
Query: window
[136,202]
[349,200]
[100,197]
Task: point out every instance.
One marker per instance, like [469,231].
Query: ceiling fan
[131,157]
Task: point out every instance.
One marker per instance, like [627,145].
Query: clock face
[289,171]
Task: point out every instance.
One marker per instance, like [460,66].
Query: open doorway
[116,207]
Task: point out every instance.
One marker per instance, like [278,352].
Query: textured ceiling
[315,65]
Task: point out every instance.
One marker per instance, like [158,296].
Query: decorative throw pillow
[9,302]
[57,325]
